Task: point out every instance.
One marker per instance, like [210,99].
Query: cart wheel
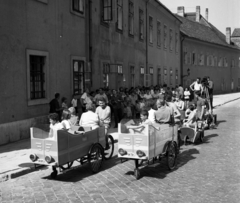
[201,137]
[137,173]
[185,140]
[95,157]
[66,166]
[171,155]
[54,174]
[108,152]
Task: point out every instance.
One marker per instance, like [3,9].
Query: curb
[24,171]
[226,102]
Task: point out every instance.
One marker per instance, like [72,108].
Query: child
[54,124]
[66,115]
[73,119]
[64,103]
[191,120]
[186,97]
[143,123]
[74,103]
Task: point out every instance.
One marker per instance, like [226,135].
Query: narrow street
[207,172]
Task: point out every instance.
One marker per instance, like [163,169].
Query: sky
[221,13]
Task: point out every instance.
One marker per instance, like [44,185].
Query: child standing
[186,97]
[64,103]
[66,115]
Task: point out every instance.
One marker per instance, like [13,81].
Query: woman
[85,99]
[89,118]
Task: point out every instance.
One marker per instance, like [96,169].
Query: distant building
[208,52]
[50,46]
[235,38]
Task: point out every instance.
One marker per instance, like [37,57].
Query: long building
[67,46]
[208,52]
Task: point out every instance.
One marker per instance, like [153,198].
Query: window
[120,14]
[106,71]
[37,77]
[189,55]
[225,62]
[141,24]
[215,61]
[208,60]
[141,82]
[159,76]
[176,42]
[171,76]
[151,75]
[201,60]
[185,55]
[165,36]
[194,58]
[176,77]
[78,6]
[130,18]
[165,76]
[78,76]
[132,73]
[158,34]
[106,7]
[147,77]
[150,29]
[120,74]
[171,39]
[220,62]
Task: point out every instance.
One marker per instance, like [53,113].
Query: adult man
[196,86]
[210,90]
[164,113]
[100,95]
[55,106]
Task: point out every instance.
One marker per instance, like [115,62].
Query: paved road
[207,172]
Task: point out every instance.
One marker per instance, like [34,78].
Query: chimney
[197,13]
[206,14]
[180,11]
[228,35]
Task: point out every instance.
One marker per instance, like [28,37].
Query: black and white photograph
[119,101]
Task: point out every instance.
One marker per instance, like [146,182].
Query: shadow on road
[208,137]
[78,173]
[160,170]
[221,121]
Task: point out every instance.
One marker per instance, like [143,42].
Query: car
[154,142]
[65,147]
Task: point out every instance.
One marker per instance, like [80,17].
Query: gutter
[147,34]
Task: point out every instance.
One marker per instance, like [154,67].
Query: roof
[236,32]
[203,31]
[173,15]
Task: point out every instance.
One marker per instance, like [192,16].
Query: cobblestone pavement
[205,173]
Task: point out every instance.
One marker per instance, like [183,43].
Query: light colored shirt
[151,115]
[98,96]
[74,102]
[186,94]
[55,127]
[66,124]
[89,119]
[104,115]
[86,99]
[147,96]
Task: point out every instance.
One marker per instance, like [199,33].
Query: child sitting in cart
[54,124]
[144,121]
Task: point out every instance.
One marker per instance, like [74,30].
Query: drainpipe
[181,59]
[147,33]
[89,35]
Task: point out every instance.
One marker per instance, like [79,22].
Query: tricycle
[65,147]
[154,142]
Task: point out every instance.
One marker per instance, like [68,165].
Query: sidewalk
[14,158]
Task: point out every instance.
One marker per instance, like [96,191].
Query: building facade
[67,46]
[208,52]
[133,43]
[41,41]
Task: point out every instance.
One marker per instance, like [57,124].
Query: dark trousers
[117,112]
